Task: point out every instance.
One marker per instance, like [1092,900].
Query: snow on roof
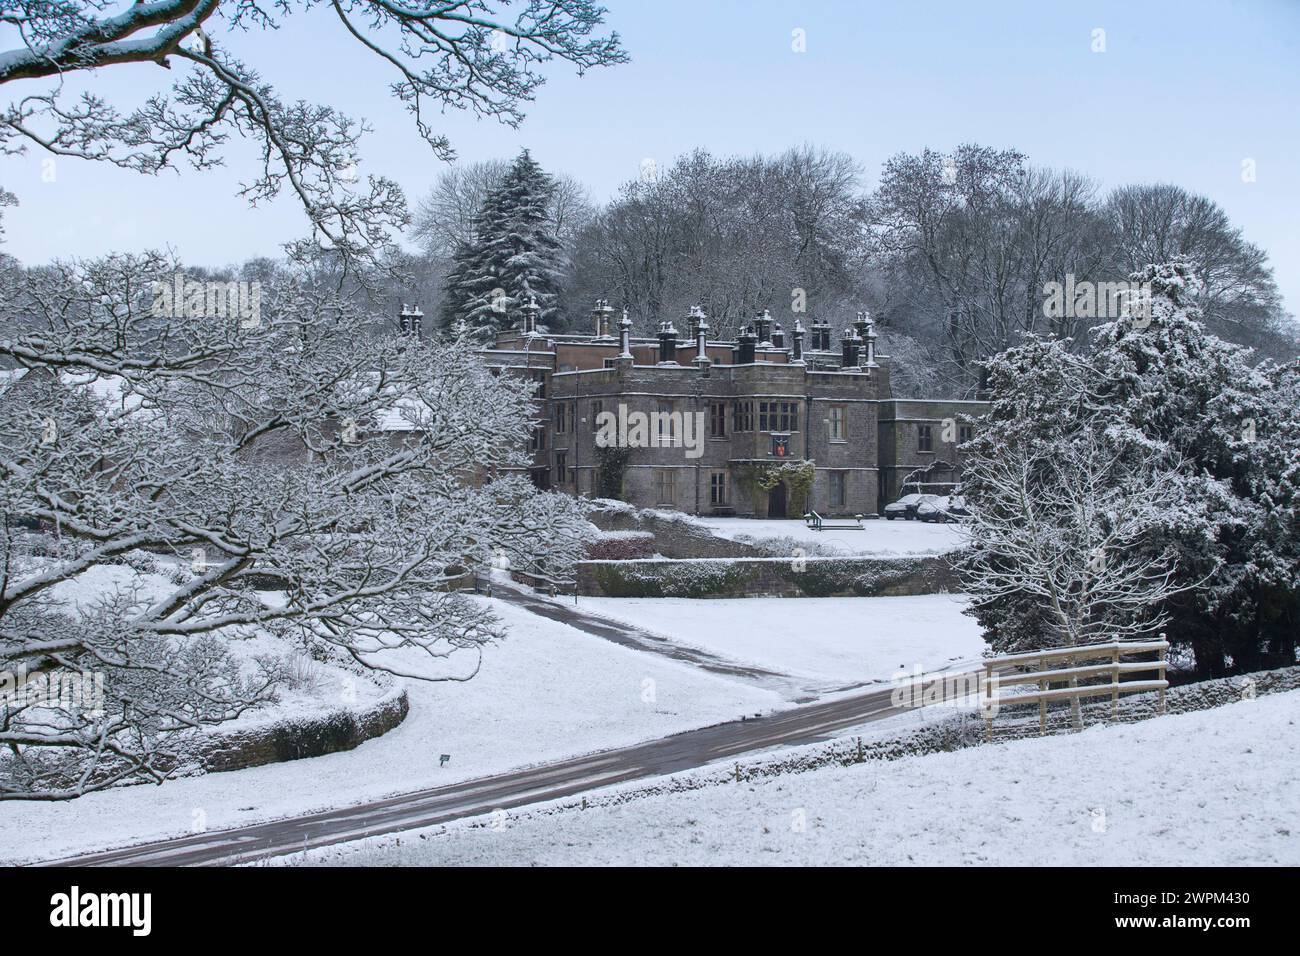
[402,417]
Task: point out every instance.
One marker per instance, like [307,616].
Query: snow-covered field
[1211,788]
[877,537]
[835,640]
[544,693]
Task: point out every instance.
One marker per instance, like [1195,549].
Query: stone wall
[294,739]
[767,577]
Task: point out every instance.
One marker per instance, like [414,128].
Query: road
[797,690]
[807,723]
[800,725]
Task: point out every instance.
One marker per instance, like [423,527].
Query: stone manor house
[768,425]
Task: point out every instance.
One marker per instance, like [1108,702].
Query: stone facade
[732,428]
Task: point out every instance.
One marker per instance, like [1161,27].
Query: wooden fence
[1033,668]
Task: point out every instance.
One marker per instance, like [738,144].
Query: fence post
[988,702]
[1114,691]
[1042,704]
[1164,655]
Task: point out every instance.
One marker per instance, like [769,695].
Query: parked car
[906,506]
[942,508]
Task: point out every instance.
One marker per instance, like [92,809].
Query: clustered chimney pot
[410,321]
[531,312]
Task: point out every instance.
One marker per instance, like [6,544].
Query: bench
[816,522]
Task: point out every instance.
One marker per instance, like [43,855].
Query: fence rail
[1043,676]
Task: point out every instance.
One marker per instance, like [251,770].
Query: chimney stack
[409,322]
[624,359]
[778,336]
[600,318]
[701,325]
[821,331]
[860,323]
[870,336]
[693,316]
[851,344]
[745,342]
[763,328]
[667,343]
[531,311]
[796,340]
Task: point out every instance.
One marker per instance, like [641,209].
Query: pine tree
[515,256]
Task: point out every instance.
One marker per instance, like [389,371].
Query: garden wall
[767,577]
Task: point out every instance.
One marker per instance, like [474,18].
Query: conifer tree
[515,256]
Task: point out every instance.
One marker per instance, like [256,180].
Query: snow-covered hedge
[753,577]
[662,578]
[621,545]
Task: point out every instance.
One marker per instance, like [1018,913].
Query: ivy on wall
[797,476]
[611,465]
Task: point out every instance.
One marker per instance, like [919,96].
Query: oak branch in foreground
[467,55]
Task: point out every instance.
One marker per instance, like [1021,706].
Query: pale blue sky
[1185,91]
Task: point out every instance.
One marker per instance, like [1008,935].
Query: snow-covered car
[942,508]
[906,506]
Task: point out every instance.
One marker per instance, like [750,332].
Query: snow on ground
[545,693]
[837,640]
[318,688]
[878,537]
[1211,788]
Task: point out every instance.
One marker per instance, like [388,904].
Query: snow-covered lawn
[836,640]
[318,688]
[544,693]
[1212,788]
[877,537]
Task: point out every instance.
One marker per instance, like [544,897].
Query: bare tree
[460,54]
[735,235]
[444,219]
[1238,296]
[976,234]
[279,448]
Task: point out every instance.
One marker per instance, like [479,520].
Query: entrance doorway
[776,501]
